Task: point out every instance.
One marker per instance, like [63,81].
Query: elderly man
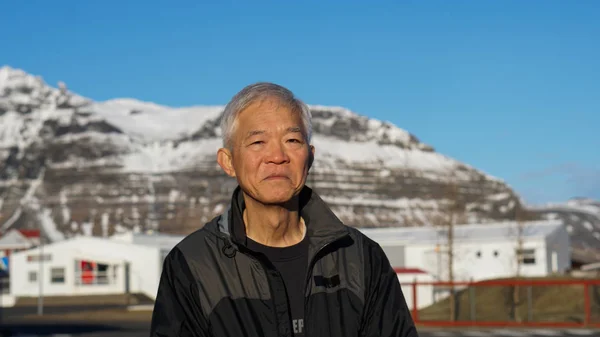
[278,262]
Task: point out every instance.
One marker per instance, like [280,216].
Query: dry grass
[552,303]
[92,316]
[118,299]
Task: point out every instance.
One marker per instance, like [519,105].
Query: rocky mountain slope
[75,166]
[582,217]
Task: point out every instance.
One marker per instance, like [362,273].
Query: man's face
[270,155]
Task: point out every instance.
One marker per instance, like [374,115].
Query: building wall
[557,245]
[144,268]
[396,255]
[478,260]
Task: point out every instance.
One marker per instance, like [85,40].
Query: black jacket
[212,285]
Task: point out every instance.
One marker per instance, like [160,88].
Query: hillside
[76,166]
[582,217]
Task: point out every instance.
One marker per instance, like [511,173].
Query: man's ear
[226,161]
[311,156]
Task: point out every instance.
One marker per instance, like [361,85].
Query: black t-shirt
[291,262]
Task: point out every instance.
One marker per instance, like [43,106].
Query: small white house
[15,240]
[480,251]
[165,242]
[88,266]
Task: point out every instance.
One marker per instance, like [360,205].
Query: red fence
[501,303]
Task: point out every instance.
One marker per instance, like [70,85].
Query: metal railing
[510,302]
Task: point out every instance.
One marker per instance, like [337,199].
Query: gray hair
[260,90]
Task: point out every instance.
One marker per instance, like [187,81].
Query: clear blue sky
[510,87]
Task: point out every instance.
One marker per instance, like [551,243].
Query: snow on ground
[15,130]
[152,121]
[592,210]
[48,225]
[499,196]
[393,203]
[390,156]
[164,157]
[157,124]
[375,129]
[119,140]
[588,206]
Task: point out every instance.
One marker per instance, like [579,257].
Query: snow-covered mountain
[77,166]
[582,217]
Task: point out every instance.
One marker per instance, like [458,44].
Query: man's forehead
[258,114]
[291,129]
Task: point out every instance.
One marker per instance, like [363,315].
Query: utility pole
[41,276]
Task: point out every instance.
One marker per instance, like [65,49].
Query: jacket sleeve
[386,313]
[177,311]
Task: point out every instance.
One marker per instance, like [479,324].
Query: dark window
[526,256]
[57,275]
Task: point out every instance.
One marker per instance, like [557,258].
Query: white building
[15,240]
[481,251]
[91,265]
[425,293]
[133,262]
[165,242]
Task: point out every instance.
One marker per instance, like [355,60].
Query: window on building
[102,273]
[33,276]
[526,256]
[94,273]
[57,275]
[495,253]
[478,253]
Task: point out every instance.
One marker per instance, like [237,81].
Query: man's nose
[276,154]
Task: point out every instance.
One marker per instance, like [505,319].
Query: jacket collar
[322,225]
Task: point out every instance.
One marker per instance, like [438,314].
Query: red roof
[30,233]
[409,271]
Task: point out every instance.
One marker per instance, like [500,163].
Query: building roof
[155,239]
[14,239]
[30,233]
[92,247]
[471,232]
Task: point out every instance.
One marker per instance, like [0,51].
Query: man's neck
[273,225]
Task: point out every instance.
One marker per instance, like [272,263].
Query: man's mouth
[276,177]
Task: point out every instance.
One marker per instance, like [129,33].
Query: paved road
[511,333]
[141,330]
[6,314]
[66,329]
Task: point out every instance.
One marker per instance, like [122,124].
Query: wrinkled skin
[269,156]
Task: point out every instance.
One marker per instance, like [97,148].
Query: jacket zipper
[266,270]
[309,272]
[306,281]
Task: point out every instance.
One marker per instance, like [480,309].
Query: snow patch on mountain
[154,122]
[330,150]
[125,164]
[327,116]
[149,137]
[168,157]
